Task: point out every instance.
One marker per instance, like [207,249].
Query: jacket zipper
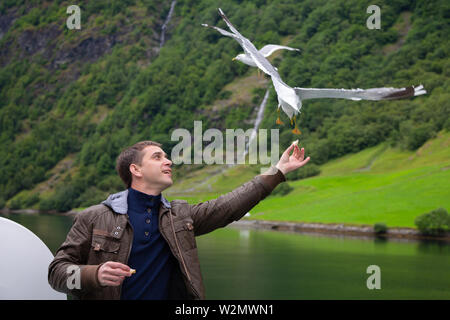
[180,254]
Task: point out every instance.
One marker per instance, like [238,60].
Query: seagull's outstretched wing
[232,28]
[268,49]
[260,61]
[360,94]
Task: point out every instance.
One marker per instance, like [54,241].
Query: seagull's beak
[233,59]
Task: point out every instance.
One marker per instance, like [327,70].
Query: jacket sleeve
[70,260]
[210,215]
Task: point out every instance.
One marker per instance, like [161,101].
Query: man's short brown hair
[131,155]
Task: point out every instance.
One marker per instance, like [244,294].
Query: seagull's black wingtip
[400,94]
[222,14]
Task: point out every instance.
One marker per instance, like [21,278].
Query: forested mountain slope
[70,100]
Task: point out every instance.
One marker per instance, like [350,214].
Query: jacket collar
[119,202]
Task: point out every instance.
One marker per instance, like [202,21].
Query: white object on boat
[24,265]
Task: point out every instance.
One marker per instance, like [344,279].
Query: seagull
[290,99]
[266,51]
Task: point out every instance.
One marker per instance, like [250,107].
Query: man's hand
[113,273]
[288,163]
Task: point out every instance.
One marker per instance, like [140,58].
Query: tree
[434,223]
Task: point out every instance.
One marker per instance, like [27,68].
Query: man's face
[155,168]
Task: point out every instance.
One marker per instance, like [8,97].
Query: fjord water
[260,264]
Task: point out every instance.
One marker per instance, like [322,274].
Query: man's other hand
[288,163]
[113,273]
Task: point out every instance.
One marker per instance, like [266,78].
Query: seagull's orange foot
[278,116]
[279,121]
[296,131]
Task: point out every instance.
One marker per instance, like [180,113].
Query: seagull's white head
[240,57]
[246,59]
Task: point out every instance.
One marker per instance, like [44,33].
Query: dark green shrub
[415,135]
[282,189]
[433,223]
[30,200]
[46,204]
[62,200]
[225,95]
[111,184]
[23,200]
[380,228]
[447,125]
[91,196]
[16,203]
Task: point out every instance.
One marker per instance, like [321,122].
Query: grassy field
[379,184]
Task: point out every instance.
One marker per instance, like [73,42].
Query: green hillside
[379,184]
[71,100]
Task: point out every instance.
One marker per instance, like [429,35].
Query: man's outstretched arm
[210,215]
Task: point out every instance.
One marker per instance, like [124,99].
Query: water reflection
[380,240]
[434,247]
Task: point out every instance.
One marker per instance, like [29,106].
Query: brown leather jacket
[103,233]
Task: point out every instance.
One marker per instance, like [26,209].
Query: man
[139,230]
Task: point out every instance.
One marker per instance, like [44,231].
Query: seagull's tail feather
[419,90]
